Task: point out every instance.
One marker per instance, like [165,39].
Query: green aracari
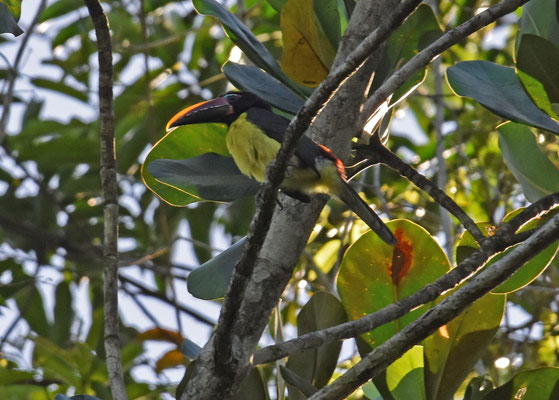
[253,138]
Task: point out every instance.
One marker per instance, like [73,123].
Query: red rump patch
[401,257]
[339,164]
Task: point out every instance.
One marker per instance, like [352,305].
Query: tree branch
[425,56]
[110,198]
[376,361]
[378,153]
[503,239]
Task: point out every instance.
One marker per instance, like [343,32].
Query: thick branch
[424,57]
[481,284]
[110,198]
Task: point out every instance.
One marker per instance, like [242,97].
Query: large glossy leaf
[307,54]
[316,366]
[419,30]
[452,351]
[374,274]
[498,88]
[210,280]
[184,142]
[9,15]
[539,17]
[537,175]
[539,58]
[538,384]
[254,80]
[209,176]
[243,38]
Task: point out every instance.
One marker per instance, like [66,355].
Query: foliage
[499,158]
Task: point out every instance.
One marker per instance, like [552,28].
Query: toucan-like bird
[253,138]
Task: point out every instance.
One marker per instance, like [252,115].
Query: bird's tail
[363,211]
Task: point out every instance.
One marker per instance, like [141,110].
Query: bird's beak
[204,112]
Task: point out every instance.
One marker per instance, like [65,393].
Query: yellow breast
[251,148]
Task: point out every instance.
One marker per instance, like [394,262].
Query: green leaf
[537,384]
[253,387]
[242,37]
[209,176]
[328,17]
[59,8]
[277,4]
[183,142]
[539,58]
[316,366]
[307,54]
[498,88]
[31,307]
[452,351]
[63,314]
[419,30]
[404,377]
[539,19]
[373,274]
[60,87]
[9,14]
[534,171]
[254,80]
[297,384]
[210,280]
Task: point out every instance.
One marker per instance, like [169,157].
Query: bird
[253,138]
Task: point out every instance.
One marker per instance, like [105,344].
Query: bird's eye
[231,97]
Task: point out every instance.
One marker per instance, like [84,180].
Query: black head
[225,109]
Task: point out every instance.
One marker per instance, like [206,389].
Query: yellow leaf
[307,53]
[162,335]
[169,360]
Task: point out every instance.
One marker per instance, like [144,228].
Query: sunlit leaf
[374,274]
[184,142]
[498,88]
[404,377]
[537,384]
[451,353]
[307,54]
[537,175]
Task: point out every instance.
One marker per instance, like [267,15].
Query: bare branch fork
[110,198]
[504,238]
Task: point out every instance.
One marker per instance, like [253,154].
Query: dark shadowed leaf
[498,88]
[537,175]
[210,280]
[9,16]
[328,17]
[63,314]
[316,366]
[539,58]
[539,19]
[298,383]
[478,387]
[254,80]
[209,176]
[374,274]
[183,142]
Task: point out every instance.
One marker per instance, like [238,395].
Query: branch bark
[110,198]
[503,239]
[481,284]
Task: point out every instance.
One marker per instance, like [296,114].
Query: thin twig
[424,57]
[110,198]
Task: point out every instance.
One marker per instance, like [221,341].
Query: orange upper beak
[204,112]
